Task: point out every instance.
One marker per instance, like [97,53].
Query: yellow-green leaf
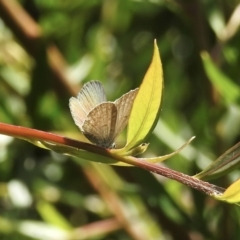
[132,152]
[147,103]
[78,153]
[232,193]
[165,157]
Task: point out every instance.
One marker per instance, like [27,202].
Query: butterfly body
[98,119]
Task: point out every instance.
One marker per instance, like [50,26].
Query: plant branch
[37,135]
[192,182]
[31,134]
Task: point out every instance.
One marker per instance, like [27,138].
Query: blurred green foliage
[44,195]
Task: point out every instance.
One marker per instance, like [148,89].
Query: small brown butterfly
[99,120]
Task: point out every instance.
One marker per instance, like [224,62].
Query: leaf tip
[155,45]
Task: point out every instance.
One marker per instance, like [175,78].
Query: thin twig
[28,133]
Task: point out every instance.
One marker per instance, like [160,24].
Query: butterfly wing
[124,106]
[99,126]
[100,121]
[91,94]
[78,114]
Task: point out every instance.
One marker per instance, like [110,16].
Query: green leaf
[50,214]
[78,153]
[224,164]
[146,107]
[165,157]
[232,193]
[224,85]
[132,152]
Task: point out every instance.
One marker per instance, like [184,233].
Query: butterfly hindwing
[99,126]
[124,106]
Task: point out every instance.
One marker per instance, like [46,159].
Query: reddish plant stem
[37,135]
[95,229]
[192,182]
[32,134]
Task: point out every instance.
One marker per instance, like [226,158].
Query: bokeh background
[48,49]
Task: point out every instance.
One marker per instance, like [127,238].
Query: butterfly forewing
[78,114]
[124,106]
[91,94]
[99,127]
